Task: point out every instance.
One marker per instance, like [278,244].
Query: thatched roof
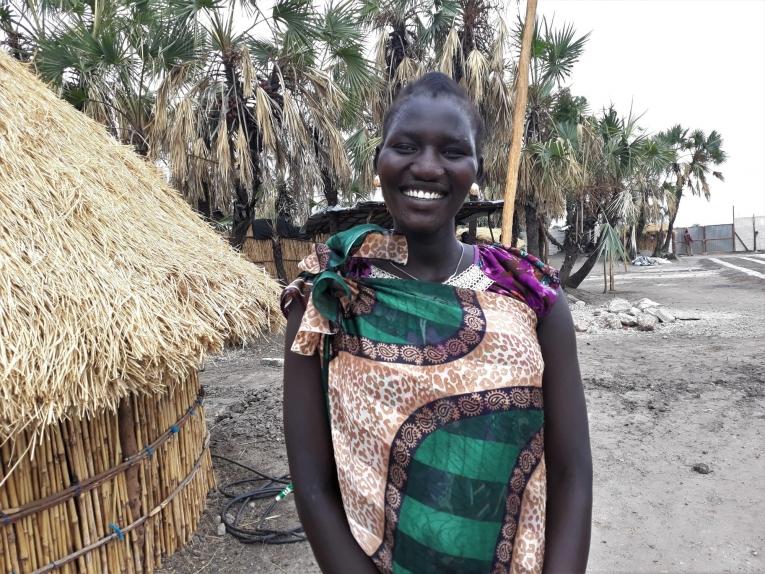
[109,283]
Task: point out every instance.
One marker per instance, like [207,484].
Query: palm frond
[451,53]
[265,118]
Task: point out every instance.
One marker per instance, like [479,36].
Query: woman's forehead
[445,114]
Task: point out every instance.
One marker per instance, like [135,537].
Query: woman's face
[427,163]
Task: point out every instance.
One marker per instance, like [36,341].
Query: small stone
[596,312]
[613,322]
[218,519]
[627,320]
[221,529]
[581,326]
[661,314]
[701,468]
[272,362]
[686,316]
[580,304]
[634,311]
[618,305]
[646,322]
[646,303]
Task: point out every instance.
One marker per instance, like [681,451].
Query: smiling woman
[434,413]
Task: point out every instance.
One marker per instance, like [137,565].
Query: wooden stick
[519,115]
[129,444]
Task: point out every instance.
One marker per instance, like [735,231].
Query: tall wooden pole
[519,116]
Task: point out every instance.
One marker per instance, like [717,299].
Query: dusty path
[659,403]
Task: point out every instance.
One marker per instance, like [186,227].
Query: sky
[699,63]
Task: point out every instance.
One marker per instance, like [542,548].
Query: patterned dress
[435,402]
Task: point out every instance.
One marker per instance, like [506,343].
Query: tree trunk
[576,279]
[241,217]
[532,230]
[513,239]
[330,190]
[542,239]
[668,238]
[570,259]
[519,218]
[570,245]
[639,228]
[204,206]
[281,272]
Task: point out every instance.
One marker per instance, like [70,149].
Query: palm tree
[232,114]
[606,199]
[465,39]
[554,53]
[649,191]
[259,112]
[102,57]
[697,154]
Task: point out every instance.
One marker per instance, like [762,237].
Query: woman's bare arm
[567,446]
[312,464]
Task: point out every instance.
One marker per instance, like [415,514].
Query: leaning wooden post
[519,115]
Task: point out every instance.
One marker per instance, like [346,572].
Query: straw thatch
[109,284]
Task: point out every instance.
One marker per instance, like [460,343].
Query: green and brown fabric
[435,403]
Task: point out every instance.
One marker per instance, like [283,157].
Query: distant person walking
[688,241]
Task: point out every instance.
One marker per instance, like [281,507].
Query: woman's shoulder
[519,274]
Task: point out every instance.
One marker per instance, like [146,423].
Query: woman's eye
[453,153]
[404,147]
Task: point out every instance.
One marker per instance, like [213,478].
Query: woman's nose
[427,166]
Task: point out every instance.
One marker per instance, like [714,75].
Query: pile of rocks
[643,315]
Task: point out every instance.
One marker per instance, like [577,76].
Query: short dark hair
[435,84]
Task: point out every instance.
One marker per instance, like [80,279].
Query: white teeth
[420,194]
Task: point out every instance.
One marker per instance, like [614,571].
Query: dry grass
[109,283]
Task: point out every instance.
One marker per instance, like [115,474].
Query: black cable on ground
[264,486]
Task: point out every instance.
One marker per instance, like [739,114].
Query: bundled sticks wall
[110,494]
[293,251]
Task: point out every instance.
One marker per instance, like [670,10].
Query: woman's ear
[479,171]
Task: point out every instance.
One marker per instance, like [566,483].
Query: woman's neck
[435,256]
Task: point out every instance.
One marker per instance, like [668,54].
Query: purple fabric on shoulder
[519,274]
[358,268]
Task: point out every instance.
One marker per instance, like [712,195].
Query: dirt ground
[688,393]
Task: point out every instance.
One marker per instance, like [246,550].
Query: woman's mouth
[422,194]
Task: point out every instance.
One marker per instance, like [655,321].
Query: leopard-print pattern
[370,400]
[529,547]
[312,327]
[510,542]
[317,261]
[390,246]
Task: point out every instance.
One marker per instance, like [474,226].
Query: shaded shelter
[281,252]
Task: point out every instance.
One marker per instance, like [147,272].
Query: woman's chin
[425,225]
